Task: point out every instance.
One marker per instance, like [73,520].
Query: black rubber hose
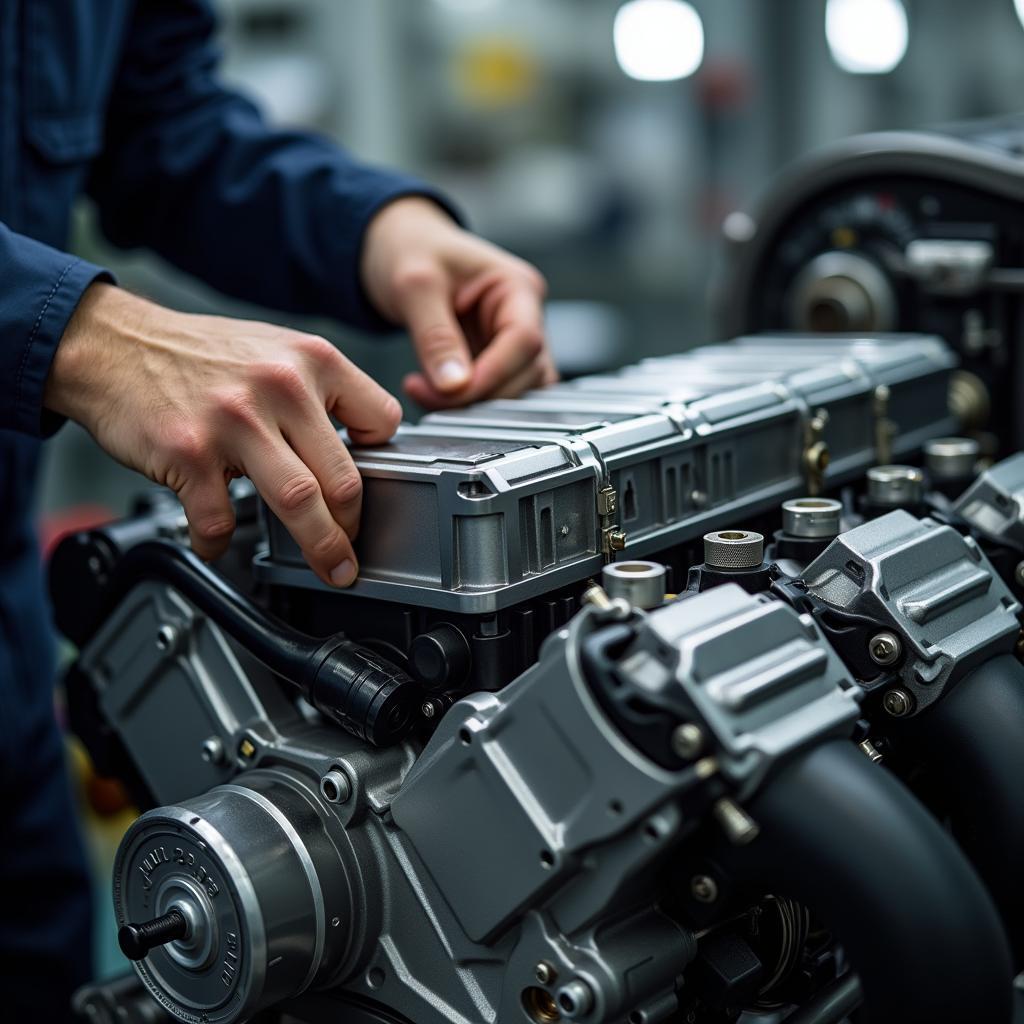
[973,743]
[832,1004]
[354,687]
[843,837]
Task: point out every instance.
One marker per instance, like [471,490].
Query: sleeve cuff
[54,310]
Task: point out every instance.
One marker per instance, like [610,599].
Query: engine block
[663,696]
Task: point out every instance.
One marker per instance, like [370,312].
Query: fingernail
[344,574]
[452,372]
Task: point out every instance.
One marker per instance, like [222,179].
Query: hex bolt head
[703,888]
[427,709]
[166,637]
[213,750]
[898,703]
[687,740]
[575,999]
[885,649]
[545,973]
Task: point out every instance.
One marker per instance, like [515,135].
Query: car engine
[686,693]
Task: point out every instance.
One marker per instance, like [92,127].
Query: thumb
[439,342]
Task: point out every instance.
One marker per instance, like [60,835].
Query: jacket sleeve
[191,170]
[39,290]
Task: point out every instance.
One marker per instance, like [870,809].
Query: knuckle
[281,378]
[317,349]
[346,489]
[417,276]
[326,548]
[532,341]
[298,494]
[214,527]
[436,340]
[535,279]
[186,445]
[237,406]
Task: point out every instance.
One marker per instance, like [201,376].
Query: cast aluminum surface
[933,587]
[373,894]
[994,503]
[477,509]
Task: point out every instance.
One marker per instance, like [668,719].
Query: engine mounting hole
[540,1006]
[375,977]
[465,736]
[547,858]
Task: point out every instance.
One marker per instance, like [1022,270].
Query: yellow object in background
[494,71]
[844,238]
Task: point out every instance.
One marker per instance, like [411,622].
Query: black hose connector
[353,687]
[972,742]
[843,837]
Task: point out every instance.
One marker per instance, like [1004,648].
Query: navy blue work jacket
[120,99]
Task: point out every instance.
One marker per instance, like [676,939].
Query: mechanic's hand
[193,401]
[475,312]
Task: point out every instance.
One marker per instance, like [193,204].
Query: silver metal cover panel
[477,509]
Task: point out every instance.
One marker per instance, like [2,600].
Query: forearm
[266,215]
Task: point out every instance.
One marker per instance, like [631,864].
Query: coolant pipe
[972,741]
[353,687]
[846,839]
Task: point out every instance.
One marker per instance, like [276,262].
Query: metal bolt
[213,750]
[687,740]
[136,940]
[1018,574]
[427,709]
[596,595]
[575,999]
[246,748]
[703,888]
[165,637]
[617,540]
[739,827]
[564,530]
[817,457]
[898,703]
[545,973]
[335,787]
[871,750]
[885,649]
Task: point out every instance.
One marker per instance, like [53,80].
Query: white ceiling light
[867,37]
[658,40]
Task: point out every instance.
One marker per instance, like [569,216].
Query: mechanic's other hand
[474,311]
[193,401]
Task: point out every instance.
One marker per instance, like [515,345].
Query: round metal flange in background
[260,882]
[733,549]
[811,518]
[951,458]
[642,584]
[895,486]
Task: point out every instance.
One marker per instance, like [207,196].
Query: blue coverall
[119,99]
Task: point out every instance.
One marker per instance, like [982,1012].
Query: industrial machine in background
[898,231]
[688,693]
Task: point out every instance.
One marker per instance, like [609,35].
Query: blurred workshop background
[604,140]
